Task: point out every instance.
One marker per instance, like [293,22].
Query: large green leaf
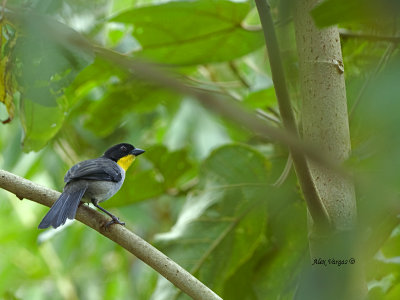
[221,226]
[192,32]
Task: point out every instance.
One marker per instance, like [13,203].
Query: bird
[94,180]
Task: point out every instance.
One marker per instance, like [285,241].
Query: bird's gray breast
[103,190]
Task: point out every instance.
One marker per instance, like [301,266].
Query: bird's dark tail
[65,207]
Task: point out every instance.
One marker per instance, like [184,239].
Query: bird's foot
[114,220]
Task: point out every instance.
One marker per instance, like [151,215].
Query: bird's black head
[122,150]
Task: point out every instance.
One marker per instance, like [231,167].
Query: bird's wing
[94,169]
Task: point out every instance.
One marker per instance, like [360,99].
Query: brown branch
[181,278]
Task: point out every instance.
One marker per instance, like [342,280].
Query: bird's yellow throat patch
[126,161]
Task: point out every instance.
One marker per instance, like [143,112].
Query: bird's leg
[82,203]
[114,220]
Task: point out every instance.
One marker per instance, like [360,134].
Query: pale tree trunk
[325,124]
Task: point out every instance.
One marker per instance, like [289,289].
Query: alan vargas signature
[333,261]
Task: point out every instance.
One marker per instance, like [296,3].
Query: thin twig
[285,172]
[239,76]
[270,117]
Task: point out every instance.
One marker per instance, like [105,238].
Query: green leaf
[278,271]
[40,124]
[137,187]
[192,32]
[390,248]
[222,225]
[171,165]
[7,80]
[261,99]
[332,12]
[121,100]
[47,65]
[195,127]
[394,293]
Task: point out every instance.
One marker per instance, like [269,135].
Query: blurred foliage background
[203,192]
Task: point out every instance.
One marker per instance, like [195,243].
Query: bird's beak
[137,151]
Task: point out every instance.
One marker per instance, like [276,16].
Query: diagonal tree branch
[181,278]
